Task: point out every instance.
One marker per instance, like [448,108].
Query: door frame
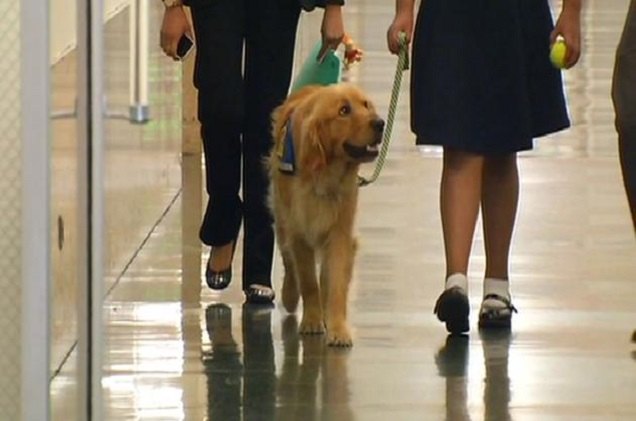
[35,166]
[90,115]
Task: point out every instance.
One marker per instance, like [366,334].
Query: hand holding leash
[403,64]
[402,26]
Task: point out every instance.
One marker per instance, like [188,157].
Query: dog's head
[332,123]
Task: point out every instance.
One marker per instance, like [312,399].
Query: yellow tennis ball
[557,54]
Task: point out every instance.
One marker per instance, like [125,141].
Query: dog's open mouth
[361,153]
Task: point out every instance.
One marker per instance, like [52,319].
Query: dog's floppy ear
[314,151]
[282,114]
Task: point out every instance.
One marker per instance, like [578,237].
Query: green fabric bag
[314,73]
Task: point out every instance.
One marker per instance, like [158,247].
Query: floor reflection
[191,213]
[223,365]
[452,364]
[244,384]
[313,384]
[240,387]
[496,346]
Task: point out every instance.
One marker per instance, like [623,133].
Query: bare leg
[499,201]
[459,203]
[500,196]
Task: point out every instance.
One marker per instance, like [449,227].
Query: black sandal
[259,294]
[496,317]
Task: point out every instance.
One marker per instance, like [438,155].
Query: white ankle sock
[499,287]
[457,280]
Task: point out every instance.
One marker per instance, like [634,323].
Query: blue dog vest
[287,154]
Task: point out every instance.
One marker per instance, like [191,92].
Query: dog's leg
[339,265]
[305,270]
[290,294]
[324,287]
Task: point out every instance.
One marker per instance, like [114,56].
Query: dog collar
[286,153]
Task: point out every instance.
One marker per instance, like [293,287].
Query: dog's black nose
[377,125]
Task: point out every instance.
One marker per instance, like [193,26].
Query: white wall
[63,27]
[11,211]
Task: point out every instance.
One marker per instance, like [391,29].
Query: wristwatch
[172,3]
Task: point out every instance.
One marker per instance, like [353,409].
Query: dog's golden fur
[334,129]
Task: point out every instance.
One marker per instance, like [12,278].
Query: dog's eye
[345,110]
[366,104]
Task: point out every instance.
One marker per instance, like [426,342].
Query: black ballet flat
[219,280]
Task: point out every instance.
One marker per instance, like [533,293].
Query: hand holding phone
[173,27]
[184,47]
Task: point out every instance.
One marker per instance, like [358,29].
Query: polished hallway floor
[175,350]
[175,354]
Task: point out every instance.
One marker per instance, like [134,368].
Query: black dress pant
[243,70]
[624,98]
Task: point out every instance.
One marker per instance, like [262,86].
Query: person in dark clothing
[243,68]
[624,99]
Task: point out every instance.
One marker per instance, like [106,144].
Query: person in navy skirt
[483,88]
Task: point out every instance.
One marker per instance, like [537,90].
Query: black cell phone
[184,46]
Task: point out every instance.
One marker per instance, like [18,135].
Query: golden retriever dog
[321,136]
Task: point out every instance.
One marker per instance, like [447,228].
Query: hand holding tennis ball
[565,39]
[558,53]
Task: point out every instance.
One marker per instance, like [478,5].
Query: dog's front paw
[311,326]
[339,337]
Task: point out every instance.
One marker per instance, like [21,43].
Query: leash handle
[404,50]
[402,65]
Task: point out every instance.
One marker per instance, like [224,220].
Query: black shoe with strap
[452,308]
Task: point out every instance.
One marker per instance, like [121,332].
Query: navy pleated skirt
[481,77]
